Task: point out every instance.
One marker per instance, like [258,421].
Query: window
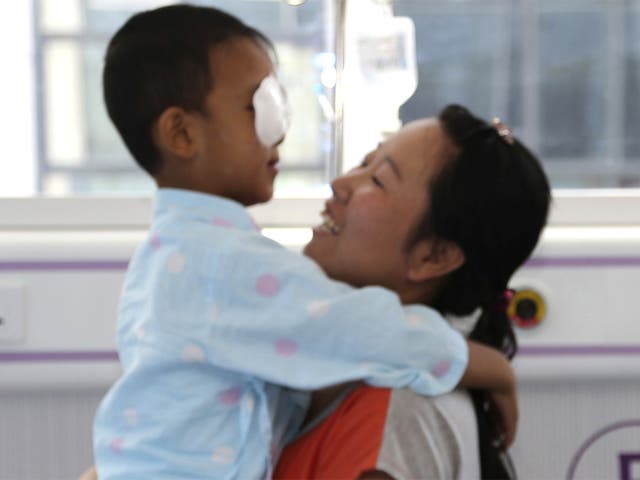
[564,74]
[80,151]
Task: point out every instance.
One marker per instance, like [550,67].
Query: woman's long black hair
[492,199]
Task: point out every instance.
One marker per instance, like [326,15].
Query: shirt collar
[200,206]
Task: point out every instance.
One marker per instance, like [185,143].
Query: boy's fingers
[89,474]
[507,406]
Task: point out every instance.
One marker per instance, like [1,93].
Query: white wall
[578,371]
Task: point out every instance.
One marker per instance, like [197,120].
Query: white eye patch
[273,114]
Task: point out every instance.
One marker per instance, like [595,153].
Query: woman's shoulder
[430,437]
[454,409]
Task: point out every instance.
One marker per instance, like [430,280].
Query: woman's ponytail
[493,328]
[492,199]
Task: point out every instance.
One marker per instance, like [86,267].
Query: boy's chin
[259,197]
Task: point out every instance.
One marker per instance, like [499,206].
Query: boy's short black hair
[158,59]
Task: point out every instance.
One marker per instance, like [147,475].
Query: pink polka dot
[368,366]
[230,396]
[267,285]
[221,222]
[274,451]
[213,313]
[249,403]
[414,320]
[176,262]
[318,308]
[116,445]
[441,368]
[193,353]
[224,454]
[130,416]
[139,331]
[286,347]
[155,242]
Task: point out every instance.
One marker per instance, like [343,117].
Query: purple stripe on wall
[61,356]
[631,423]
[101,265]
[86,265]
[581,262]
[577,350]
[524,351]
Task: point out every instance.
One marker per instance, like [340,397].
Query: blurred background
[564,74]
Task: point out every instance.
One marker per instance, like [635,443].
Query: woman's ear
[174,133]
[433,258]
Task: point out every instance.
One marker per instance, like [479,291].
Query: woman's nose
[341,188]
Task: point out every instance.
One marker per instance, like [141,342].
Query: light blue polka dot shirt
[221,331]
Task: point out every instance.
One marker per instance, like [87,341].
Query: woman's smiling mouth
[329,224]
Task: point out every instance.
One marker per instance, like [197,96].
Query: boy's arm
[488,369]
[277,317]
[89,474]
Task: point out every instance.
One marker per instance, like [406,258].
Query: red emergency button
[526,308]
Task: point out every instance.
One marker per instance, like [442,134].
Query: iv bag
[386,56]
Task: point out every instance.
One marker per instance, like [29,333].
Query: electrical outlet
[11,312]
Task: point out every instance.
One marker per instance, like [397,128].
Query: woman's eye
[377,181]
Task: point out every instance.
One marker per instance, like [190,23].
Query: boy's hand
[89,474]
[489,370]
[506,407]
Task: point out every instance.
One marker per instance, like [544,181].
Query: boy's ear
[433,258]
[174,133]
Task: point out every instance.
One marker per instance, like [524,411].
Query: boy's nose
[279,142]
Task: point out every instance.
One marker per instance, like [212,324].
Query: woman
[443,213]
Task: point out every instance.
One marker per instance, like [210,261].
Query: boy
[216,320]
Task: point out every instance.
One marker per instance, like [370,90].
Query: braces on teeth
[329,224]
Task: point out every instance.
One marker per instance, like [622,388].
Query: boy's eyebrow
[252,89]
[249,90]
